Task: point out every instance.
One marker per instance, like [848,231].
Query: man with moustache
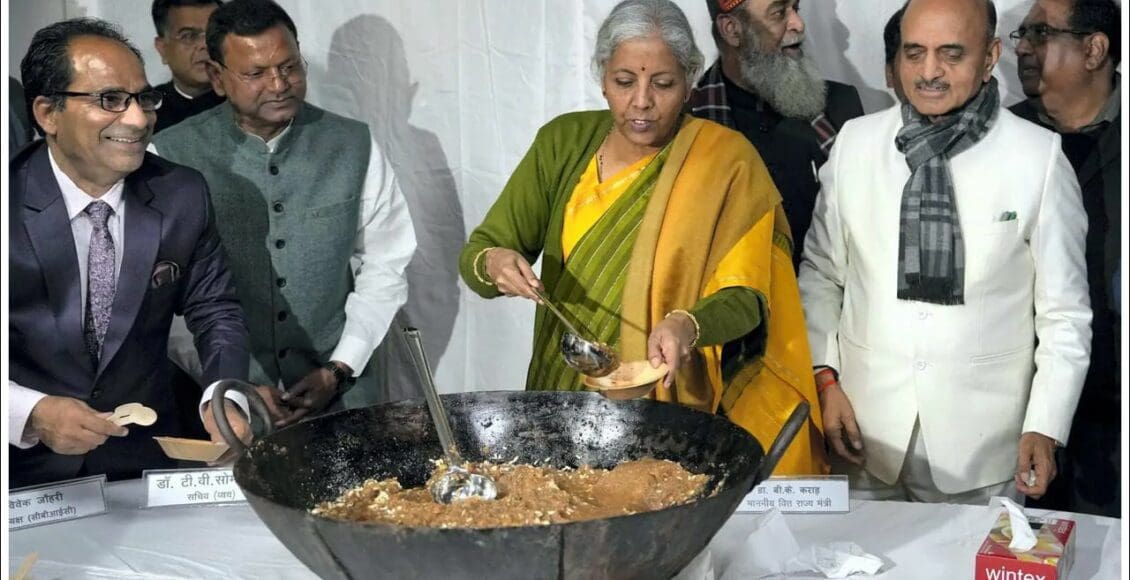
[180,42]
[1068,53]
[317,229]
[765,86]
[107,244]
[944,281]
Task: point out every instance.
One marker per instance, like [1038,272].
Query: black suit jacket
[168,220]
[789,147]
[1100,180]
[175,108]
[791,151]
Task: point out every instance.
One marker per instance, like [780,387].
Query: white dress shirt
[383,247]
[22,399]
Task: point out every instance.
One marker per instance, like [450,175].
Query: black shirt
[1101,397]
[176,108]
[791,148]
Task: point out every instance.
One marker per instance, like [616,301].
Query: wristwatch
[345,381]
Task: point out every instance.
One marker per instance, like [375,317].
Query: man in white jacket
[944,280]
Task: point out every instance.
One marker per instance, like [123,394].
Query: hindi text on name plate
[814,494]
[56,502]
[169,487]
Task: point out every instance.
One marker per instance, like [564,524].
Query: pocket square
[1007,216]
[164,273]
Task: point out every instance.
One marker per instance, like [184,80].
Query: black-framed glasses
[292,72]
[118,101]
[1038,34]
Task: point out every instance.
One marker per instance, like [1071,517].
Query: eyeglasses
[190,37]
[118,101]
[1038,34]
[292,72]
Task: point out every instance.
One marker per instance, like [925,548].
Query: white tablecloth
[918,541]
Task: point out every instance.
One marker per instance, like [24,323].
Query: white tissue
[772,551]
[766,551]
[1022,536]
[840,560]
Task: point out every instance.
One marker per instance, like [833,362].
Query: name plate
[59,501]
[166,487]
[812,494]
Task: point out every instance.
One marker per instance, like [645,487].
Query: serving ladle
[457,483]
[587,357]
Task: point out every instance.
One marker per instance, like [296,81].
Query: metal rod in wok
[435,406]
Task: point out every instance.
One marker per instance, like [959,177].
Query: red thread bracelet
[825,379]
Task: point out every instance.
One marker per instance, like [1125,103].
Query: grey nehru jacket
[288,220]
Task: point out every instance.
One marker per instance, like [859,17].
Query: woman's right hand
[511,273]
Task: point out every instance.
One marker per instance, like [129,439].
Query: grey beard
[793,87]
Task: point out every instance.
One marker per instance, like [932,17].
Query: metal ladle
[587,357]
[457,483]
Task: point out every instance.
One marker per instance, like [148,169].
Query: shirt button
[921,365]
[282,316]
[280,244]
[278,207]
[281,282]
[274,170]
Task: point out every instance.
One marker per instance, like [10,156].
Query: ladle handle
[796,420]
[556,312]
[221,387]
[435,406]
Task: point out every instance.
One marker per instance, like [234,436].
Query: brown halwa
[527,496]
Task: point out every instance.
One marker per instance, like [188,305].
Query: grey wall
[27,16]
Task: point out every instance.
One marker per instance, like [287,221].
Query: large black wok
[285,473]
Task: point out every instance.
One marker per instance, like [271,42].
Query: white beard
[793,87]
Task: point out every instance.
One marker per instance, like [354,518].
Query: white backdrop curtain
[454,91]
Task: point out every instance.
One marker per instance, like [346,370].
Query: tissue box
[1049,559]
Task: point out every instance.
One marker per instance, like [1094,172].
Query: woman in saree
[660,234]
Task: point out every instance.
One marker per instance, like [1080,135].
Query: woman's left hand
[670,342]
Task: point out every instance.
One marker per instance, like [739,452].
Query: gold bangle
[475,266]
[697,330]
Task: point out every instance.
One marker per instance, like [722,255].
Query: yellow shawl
[711,223]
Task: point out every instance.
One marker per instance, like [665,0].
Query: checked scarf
[931,249]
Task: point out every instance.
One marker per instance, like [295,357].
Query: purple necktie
[100,280]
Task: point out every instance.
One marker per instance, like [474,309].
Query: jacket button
[282,353]
[281,282]
[282,316]
[278,207]
[95,393]
[274,170]
[280,244]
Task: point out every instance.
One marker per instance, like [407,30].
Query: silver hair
[634,19]
[794,87]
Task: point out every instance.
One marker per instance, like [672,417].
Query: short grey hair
[635,19]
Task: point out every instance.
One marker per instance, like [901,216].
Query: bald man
[946,296]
